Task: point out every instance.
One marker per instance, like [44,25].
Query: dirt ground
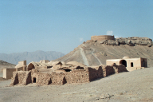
[135,86]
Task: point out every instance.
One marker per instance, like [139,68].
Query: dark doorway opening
[34,80]
[67,70]
[50,81]
[123,62]
[131,64]
[64,81]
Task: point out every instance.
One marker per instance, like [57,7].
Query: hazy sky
[62,25]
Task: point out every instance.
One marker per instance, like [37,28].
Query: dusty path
[93,50]
[136,86]
[84,57]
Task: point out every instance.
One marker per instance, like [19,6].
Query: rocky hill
[95,52]
[30,56]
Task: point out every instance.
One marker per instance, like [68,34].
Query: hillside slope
[30,56]
[94,53]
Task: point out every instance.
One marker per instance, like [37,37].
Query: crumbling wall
[21,66]
[108,70]
[77,76]
[119,68]
[59,79]
[95,73]
[21,77]
[14,80]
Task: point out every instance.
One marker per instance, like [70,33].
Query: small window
[131,64]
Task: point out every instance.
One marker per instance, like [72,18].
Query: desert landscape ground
[135,86]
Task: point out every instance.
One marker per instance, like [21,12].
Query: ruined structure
[102,37]
[59,73]
[130,63]
[21,66]
[131,41]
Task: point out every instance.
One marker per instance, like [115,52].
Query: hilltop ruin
[131,41]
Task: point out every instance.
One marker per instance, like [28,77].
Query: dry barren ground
[136,86]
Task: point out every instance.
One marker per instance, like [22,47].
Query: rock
[105,96]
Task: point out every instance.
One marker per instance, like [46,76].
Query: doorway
[123,62]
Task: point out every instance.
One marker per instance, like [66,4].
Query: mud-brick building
[130,63]
[59,73]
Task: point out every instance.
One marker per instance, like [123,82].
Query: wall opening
[50,81]
[64,80]
[49,67]
[31,66]
[131,64]
[67,70]
[123,62]
[34,80]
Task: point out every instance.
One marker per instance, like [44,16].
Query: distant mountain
[14,58]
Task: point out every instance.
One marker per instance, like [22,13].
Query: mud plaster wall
[8,72]
[132,63]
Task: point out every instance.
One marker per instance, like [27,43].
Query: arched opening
[131,64]
[123,62]
[30,66]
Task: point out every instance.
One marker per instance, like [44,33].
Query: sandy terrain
[136,86]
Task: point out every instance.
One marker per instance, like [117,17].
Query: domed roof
[126,57]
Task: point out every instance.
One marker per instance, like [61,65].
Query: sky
[62,25]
